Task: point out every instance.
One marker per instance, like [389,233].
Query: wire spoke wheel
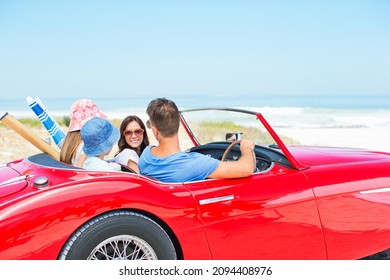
[119,235]
[123,247]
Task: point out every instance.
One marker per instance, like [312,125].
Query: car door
[270,215]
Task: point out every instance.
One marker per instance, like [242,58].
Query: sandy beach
[13,146]
[375,138]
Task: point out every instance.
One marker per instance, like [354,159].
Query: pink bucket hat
[81,111]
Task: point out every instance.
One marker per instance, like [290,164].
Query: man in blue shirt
[167,163]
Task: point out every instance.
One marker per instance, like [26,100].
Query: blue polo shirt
[176,168]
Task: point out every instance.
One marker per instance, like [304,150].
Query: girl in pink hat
[72,148]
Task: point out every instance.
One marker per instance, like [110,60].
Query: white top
[126,155]
[95,163]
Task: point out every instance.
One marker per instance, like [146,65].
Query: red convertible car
[301,202]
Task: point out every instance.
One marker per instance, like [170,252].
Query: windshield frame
[280,144]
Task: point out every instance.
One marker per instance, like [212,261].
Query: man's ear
[156,132]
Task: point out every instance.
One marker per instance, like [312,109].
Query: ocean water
[280,111]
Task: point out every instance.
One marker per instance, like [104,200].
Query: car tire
[119,235]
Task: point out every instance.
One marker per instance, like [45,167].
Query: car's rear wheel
[120,235]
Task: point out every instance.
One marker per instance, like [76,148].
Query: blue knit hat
[98,135]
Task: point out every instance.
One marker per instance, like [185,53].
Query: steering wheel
[229,148]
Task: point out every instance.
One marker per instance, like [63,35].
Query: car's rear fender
[354,206]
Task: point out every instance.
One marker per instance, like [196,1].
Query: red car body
[309,203]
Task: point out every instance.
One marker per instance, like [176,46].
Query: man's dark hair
[164,115]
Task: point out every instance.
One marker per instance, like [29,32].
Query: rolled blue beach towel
[48,122]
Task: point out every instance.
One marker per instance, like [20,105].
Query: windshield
[211,125]
[214,125]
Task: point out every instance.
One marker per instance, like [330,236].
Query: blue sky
[177,48]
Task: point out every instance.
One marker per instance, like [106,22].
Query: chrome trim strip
[15,180]
[376,191]
[216,199]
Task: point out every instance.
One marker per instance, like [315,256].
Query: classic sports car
[301,202]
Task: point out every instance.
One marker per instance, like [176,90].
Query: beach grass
[36,123]
[215,131]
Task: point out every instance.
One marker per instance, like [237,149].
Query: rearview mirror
[233,136]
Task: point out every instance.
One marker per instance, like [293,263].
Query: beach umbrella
[48,122]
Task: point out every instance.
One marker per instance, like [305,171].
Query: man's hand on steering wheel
[244,146]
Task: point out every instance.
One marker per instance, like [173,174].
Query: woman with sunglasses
[133,140]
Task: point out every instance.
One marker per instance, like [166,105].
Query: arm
[129,158]
[241,168]
[133,165]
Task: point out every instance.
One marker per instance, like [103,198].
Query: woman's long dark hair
[122,144]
